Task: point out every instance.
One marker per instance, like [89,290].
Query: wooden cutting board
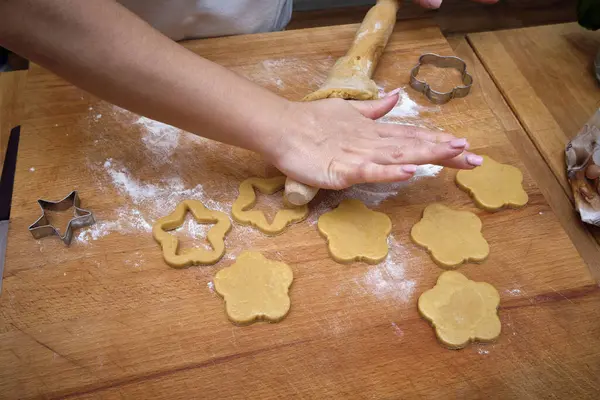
[108,318]
[546,73]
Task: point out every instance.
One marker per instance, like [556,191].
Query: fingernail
[458,143]
[475,160]
[409,169]
[393,92]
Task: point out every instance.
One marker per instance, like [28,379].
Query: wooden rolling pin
[350,77]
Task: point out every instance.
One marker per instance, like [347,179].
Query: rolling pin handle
[297,193]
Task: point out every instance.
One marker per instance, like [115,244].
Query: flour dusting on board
[385,280]
[281,73]
[128,220]
[159,137]
[405,110]
[162,196]
[371,194]
[150,201]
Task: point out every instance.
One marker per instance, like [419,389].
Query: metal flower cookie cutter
[42,227]
[441,62]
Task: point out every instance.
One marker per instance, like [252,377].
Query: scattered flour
[360,35]
[160,138]
[397,330]
[385,280]
[151,201]
[163,196]
[211,286]
[371,194]
[483,351]
[514,292]
[127,220]
[32,169]
[276,72]
[405,108]
[192,229]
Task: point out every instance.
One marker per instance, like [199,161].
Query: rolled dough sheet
[461,310]
[255,288]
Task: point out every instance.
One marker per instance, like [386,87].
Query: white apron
[189,19]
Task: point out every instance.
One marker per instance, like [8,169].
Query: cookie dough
[247,199]
[255,288]
[493,185]
[355,233]
[452,237]
[350,77]
[461,310]
[187,257]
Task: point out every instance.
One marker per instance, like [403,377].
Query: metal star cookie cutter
[441,62]
[42,227]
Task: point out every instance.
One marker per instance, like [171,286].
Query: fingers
[375,173]
[407,131]
[375,109]
[417,151]
[394,130]
[465,160]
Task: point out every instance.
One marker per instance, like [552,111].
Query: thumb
[375,109]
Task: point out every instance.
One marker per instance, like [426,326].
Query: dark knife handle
[8,173]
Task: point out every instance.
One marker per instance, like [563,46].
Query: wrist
[274,130]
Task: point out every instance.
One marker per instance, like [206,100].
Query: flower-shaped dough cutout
[461,310]
[187,257]
[355,233]
[247,199]
[452,237]
[255,288]
[493,185]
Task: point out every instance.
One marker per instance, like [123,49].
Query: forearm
[103,48]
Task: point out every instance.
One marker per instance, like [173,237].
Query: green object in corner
[588,14]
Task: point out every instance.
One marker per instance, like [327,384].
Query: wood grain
[106,318]
[11,87]
[548,183]
[546,75]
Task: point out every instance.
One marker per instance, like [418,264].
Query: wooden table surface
[106,318]
[546,74]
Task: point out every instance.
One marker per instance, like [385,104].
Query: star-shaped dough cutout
[452,237]
[242,213]
[461,310]
[255,288]
[195,256]
[355,233]
[493,185]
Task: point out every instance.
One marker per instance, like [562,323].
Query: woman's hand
[333,144]
[437,3]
